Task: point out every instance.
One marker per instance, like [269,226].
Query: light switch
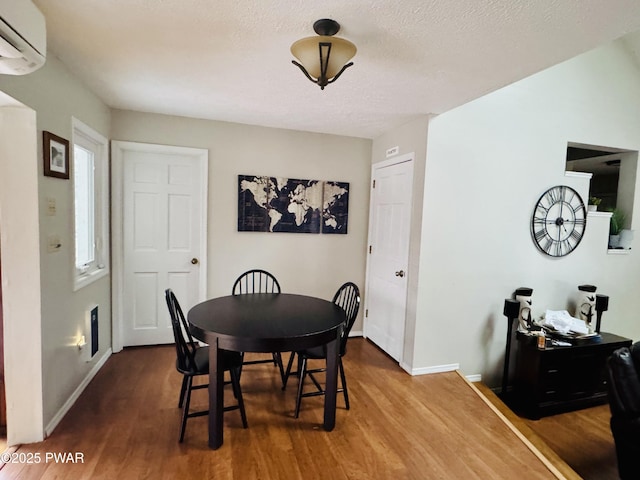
[51,206]
[53,243]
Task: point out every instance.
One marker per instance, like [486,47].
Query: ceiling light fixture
[323,58]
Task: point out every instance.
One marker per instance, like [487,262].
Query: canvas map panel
[278,204]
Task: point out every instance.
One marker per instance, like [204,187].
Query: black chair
[259,281]
[348,298]
[255,281]
[193,361]
[623,369]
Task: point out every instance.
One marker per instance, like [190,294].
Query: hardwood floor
[125,425]
[579,443]
[583,440]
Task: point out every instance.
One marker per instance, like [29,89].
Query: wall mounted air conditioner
[23,37]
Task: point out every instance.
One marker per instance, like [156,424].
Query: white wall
[487,164]
[303,263]
[56,96]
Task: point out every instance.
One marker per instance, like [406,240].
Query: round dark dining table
[266,322]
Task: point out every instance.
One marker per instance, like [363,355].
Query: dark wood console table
[559,379]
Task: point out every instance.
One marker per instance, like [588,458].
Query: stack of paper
[561,321]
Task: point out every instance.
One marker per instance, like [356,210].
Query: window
[83,163]
[90,177]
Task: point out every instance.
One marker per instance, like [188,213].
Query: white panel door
[163,222]
[389,232]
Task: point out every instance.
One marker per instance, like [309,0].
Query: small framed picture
[56,155]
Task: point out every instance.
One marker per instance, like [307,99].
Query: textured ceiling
[229,59]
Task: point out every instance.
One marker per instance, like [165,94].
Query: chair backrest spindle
[255,281]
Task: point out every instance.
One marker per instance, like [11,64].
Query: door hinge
[366,313]
[370,249]
[374,184]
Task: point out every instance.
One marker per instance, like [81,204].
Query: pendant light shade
[324,57]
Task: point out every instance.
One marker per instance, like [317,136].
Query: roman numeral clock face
[559,220]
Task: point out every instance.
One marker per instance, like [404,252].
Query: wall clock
[559,221]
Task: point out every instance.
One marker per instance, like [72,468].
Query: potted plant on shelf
[593,204]
[615,227]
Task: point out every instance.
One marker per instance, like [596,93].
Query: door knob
[194,261]
[400,274]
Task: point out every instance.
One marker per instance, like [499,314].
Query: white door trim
[409,157]
[21,262]
[117,220]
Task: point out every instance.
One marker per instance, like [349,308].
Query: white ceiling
[229,59]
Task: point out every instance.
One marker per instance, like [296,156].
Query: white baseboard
[435,369]
[428,370]
[76,394]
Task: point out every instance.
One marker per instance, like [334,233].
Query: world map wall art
[276,204]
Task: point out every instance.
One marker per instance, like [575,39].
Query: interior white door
[163,236]
[389,231]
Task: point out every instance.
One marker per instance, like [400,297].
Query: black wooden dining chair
[348,298]
[193,360]
[259,281]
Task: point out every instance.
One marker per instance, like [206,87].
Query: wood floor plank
[431,426]
[583,440]
[578,443]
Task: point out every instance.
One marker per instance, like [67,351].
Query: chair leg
[185,409]
[183,389]
[302,372]
[278,359]
[343,379]
[288,371]
[315,381]
[241,363]
[237,392]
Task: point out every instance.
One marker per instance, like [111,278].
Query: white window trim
[81,280]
